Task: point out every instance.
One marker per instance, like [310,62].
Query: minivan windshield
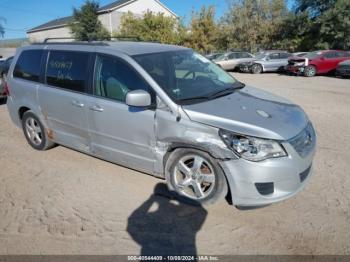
[188,77]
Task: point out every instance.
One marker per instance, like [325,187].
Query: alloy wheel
[194,177]
[33,131]
[256,69]
[310,71]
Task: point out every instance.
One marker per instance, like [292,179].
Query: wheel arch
[260,64]
[205,149]
[22,110]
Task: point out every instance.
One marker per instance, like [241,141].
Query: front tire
[195,177]
[310,71]
[35,132]
[257,69]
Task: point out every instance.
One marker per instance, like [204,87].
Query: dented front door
[119,133]
[122,134]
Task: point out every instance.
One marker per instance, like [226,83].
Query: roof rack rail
[125,38]
[58,38]
[74,42]
[135,38]
[47,41]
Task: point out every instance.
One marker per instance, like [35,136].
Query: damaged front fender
[173,133]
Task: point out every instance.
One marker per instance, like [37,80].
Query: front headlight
[252,148]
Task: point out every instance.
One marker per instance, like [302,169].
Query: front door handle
[77,103]
[96,108]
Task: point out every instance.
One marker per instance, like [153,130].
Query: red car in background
[318,62]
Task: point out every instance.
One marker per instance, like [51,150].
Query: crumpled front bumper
[287,175]
[295,69]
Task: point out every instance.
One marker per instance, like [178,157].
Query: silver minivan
[166,111]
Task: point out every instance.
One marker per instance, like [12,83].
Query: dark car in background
[266,61]
[4,67]
[318,62]
[343,69]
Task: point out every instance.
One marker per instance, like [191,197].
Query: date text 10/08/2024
[173,258]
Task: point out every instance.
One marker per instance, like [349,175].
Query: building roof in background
[61,22]
[114,5]
[52,24]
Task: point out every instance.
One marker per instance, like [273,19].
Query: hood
[252,112]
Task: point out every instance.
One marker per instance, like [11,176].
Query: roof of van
[129,48]
[137,48]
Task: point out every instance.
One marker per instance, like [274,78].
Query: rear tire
[195,177]
[310,71]
[257,69]
[35,132]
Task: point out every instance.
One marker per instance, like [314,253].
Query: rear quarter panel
[23,93]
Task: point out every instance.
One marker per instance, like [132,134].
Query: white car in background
[229,61]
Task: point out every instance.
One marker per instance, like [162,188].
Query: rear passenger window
[245,55]
[343,54]
[331,55]
[274,56]
[233,56]
[28,65]
[67,70]
[284,55]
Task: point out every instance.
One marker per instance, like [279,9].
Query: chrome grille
[305,142]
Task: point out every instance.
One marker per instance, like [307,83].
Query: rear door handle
[96,108]
[77,103]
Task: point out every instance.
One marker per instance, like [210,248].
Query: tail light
[6,89]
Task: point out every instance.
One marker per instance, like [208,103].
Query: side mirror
[138,98]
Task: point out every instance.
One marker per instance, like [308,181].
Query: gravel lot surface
[64,202]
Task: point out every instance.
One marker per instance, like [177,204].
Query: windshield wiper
[194,98]
[227,91]
[214,95]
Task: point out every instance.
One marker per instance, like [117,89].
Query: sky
[21,15]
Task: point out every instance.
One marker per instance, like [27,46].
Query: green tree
[203,30]
[332,28]
[314,7]
[152,27]
[85,25]
[292,33]
[316,24]
[251,24]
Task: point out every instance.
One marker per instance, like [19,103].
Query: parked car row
[301,63]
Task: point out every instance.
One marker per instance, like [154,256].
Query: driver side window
[114,79]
